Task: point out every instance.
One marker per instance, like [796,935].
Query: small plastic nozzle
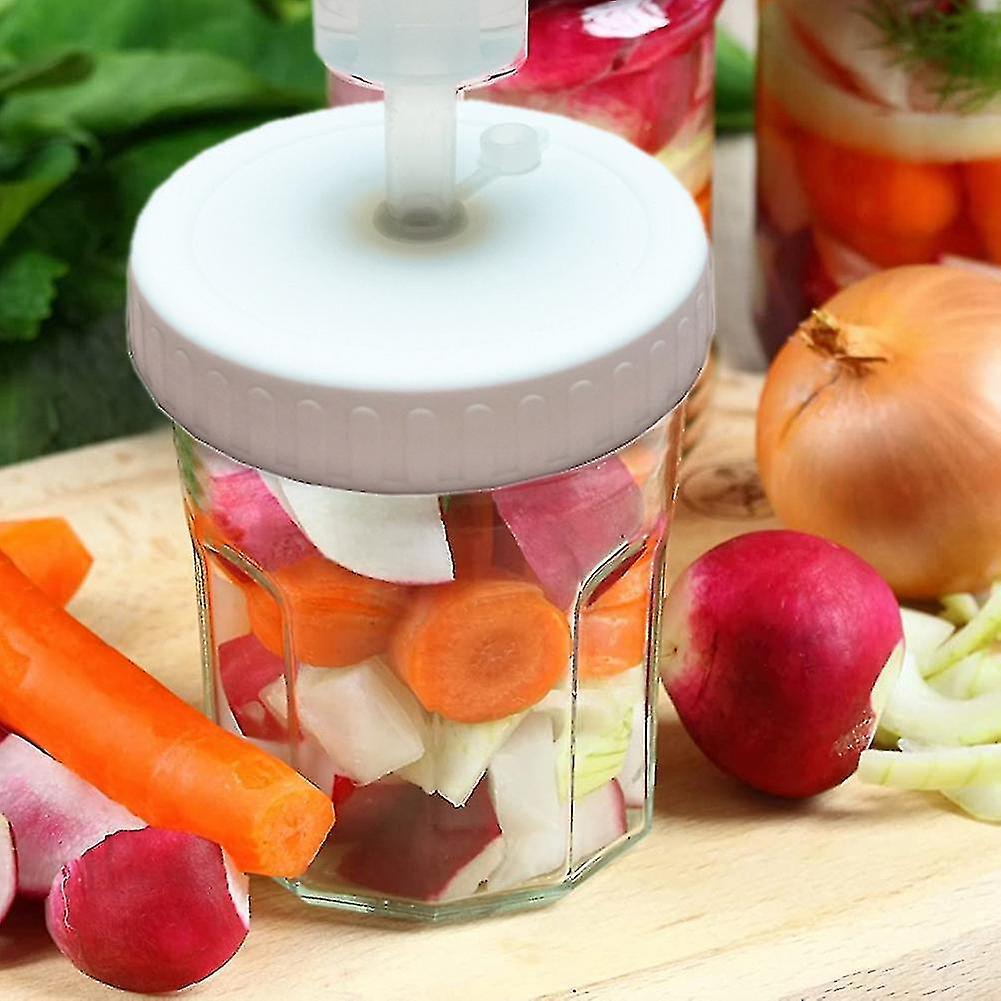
[421,53]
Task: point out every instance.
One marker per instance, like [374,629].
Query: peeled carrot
[337,618]
[470,526]
[119,729]
[49,553]
[613,627]
[891,211]
[481,650]
[983,187]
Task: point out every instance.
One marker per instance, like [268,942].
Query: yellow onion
[880,428]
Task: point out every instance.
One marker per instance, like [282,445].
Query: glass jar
[643,69]
[487,741]
[879,144]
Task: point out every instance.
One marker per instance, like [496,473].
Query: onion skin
[884,434]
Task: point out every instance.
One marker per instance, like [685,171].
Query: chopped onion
[959,608]
[984,628]
[975,675]
[934,769]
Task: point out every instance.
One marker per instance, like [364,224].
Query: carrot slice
[49,553]
[891,211]
[983,186]
[481,650]
[470,526]
[121,730]
[338,618]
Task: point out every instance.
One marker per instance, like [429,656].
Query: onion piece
[934,769]
[959,609]
[978,674]
[982,802]
[983,629]
[880,429]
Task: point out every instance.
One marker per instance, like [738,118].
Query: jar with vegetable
[429,442]
[879,140]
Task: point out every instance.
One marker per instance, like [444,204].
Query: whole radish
[773,649]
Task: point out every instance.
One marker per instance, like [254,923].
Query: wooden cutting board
[733,897]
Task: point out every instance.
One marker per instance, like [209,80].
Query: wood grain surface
[861,893]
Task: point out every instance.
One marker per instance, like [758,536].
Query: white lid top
[271,318]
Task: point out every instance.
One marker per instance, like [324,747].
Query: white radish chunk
[363,717]
[8,868]
[149,911]
[525,794]
[229,607]
[393,538]
[56,816]
[599,820]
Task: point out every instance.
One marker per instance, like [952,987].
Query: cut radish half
[523,787]
[254,521]
[8,868]
[363,717]
[393,538]
[149,911]
[423,848]
[246,668]
[632,778]
[567,525]
[55,815]
[599,819]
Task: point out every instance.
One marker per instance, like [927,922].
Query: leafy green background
[100,101]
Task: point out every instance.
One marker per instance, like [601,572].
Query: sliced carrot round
[49,553]
[476,651]
[983,186]
[337,618]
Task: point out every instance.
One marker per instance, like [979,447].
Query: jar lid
[274,319]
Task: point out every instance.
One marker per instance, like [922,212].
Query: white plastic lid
[270,317]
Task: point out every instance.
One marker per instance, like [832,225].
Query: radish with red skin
[56,816]
[246,668]
[567,525]
[255,523]
[149,911]
[599,820]
[8,868]
[773,644]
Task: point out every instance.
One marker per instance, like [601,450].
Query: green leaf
[57,70]
[32,182]
[734,85]
[70,388]
[128,90]
[28,284]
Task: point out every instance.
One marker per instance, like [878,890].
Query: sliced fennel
[982,630]
[917,711]
[959,609]
[978,674]
[934,769]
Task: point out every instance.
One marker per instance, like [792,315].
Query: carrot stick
[476,651]
[338,618]
[119,729]
[470,525]
[49,553]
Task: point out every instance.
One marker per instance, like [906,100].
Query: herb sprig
[959,42]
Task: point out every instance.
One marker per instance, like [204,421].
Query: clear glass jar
[487,741]
[878,146]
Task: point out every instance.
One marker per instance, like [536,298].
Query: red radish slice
[427,849]
[399,539]
[363,717]
[255,522]
[55,815]
[599,819]
[525,794]
[149,911]
[632,778]
[246,668]
[8,868]
[567,525]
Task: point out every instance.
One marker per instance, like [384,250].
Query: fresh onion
[880,428]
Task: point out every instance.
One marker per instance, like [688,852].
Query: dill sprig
[958,42]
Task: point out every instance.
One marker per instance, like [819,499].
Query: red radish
[400,539]
[257,525]
[56,816]
[424,848]
[525,794]
[599,820]
[246,668]
[149,911]
[567,525]
[8,868]
[773,644]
